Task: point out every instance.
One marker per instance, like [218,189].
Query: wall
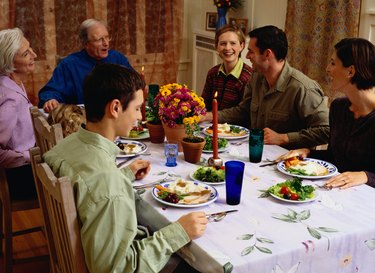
[367,23]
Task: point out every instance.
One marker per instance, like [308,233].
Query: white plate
[296,201]
[140,148]
[332,170]
[144,135]
[220,150]
[210,183]
[229,137]
[212,198]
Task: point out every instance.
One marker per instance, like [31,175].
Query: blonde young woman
[352,118]
[16,129]
[231,76]
[70,116]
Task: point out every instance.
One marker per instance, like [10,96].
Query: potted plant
[154,124]
[192,145]
[176,102]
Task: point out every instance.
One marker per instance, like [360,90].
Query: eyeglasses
[101,40]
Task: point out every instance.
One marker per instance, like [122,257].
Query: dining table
[335,232]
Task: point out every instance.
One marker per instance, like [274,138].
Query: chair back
[46,136]
[60,215]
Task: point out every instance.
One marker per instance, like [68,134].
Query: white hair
[10,43]
[84,27]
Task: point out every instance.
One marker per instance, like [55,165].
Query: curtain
[313,27]
[148,32]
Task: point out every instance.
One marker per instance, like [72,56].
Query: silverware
[131,158]
[150,185]
[217,216]
[269,164]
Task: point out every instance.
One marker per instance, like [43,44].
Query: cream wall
[258,12]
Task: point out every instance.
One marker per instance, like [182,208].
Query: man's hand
[194,224]
[273,138]
[140,168]
[207,117]
[50,105]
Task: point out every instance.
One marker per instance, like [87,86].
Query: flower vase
[192,150]
[156,132]
[222,18]
[175,134]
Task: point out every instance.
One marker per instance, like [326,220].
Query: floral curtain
[313,27]
[148,32]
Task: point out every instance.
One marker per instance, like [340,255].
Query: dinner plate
[332,170]
[213,196]
[229,137]
[140,147]
[205,182]
[144,135]
[223,149]
[296,201]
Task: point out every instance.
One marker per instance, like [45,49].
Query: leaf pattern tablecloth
[335,233]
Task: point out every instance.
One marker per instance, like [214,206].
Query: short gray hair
[84,27]
[10,43]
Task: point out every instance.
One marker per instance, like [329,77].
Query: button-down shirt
[295,105]
[106,205]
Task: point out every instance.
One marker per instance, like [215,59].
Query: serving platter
[213,196]
[332,170]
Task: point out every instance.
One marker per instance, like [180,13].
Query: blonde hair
[70,117]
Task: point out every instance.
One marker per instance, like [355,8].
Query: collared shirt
[230,87]
[106,206]
[65,85]
[16,128]
[295,105]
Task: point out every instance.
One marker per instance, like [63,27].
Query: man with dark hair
[65,85]
[107,205]
[289,106]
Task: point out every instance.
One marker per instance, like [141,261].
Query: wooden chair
[46,136]
[7,206]
[60,215]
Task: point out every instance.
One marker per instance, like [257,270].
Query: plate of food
[308,168]
[293,191]
[209,175]
[228,131]
[222,143]
[184,194]
[130,147]
[138,132]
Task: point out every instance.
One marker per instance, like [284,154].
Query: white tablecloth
[336,233]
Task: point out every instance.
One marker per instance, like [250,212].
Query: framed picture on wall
[241,23]
[211,19]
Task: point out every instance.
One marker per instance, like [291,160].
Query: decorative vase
[222,19]
[177,133]
[192,150]
[156,132]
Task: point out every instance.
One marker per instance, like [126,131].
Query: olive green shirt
[295,105]
[107,208]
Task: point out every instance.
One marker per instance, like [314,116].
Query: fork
[152,184]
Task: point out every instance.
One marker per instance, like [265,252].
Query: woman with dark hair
[352,118]
[230,77]
[16,129]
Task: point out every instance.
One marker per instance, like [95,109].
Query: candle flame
[215,96]
[143,68]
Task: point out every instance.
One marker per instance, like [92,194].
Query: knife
[220,212]
[269,164]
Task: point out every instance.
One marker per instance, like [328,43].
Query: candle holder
[215,162]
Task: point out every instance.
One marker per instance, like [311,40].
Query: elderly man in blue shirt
[65,85]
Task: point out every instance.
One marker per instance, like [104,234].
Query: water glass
[233,181]
[171,153]
[256,145]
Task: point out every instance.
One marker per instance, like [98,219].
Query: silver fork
[157,182]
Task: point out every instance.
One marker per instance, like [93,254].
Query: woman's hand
[140,168]
[304,152]
[347,180]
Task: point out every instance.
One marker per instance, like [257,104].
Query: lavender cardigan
[16,129]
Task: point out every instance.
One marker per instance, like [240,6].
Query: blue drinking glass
[233,181]
[171,153]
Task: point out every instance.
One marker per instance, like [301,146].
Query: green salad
[209,174]
[222,143]
[292,190]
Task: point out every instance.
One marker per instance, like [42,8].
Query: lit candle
[143,109]
[215,145]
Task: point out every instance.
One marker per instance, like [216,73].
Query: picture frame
[211,19]
[241,23]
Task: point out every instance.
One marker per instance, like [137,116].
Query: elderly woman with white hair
[16,129]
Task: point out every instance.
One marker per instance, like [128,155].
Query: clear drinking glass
[171,153]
